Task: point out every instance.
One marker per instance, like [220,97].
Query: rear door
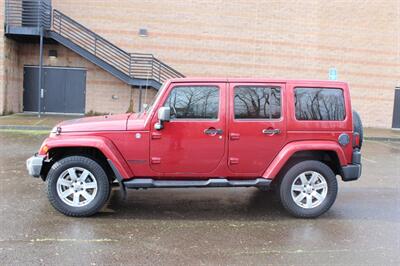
[257,127]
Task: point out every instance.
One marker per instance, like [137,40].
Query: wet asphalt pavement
[220,226]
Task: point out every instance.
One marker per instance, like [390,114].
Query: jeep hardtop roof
[256,80]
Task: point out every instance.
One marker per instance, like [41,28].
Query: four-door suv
[294,136]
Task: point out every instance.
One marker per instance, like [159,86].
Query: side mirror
[164,115]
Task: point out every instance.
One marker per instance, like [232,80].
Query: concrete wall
[288,39]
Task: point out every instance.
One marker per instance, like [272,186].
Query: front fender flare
[291,148]
[103,144]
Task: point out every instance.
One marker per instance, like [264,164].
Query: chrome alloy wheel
[76,186]
[309,189]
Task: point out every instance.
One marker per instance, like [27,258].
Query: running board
[217,182]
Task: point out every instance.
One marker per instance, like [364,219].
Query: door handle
[213,131]
[271,131]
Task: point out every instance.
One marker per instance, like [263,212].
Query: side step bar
[217,182]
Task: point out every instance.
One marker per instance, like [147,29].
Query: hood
[96,123]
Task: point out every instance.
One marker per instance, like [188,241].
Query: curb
[13,127]
[382,139]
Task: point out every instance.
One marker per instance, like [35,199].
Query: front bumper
[34,165]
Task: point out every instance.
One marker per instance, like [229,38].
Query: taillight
[356,140]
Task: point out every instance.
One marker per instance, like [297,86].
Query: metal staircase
[28,17]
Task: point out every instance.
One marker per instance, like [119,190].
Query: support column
[140,98]
[40,94]
[396,109]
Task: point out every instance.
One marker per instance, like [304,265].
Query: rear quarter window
[325,104]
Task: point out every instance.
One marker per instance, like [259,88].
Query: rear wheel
[77,186]
[308,189]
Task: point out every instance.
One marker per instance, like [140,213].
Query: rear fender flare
[291,148]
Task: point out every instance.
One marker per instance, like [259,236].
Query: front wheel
[77,186]
[308,189]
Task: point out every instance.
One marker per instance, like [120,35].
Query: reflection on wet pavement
[200,226]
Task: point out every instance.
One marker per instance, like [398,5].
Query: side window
[319,104]
[257,102]
[193,102]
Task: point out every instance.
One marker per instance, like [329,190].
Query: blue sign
[333,73]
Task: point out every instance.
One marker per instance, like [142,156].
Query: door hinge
[155,160]
[155,135]
[233,161]
[234,136]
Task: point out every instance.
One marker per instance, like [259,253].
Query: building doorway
[64,90]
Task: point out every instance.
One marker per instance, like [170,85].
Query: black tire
[358,127]
[103,186]
[285,187]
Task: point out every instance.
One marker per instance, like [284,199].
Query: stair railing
[28,13]
[135,65]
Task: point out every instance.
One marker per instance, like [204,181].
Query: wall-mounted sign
[333,73]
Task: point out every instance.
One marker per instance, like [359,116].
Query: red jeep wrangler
[294,136]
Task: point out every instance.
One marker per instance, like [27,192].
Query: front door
[193,142]
[257,126]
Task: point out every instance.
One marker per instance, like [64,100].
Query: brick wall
[288,39]
[2,44]
[10,74]
[278,39]
[13,79]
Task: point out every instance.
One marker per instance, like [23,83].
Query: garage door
[63,90]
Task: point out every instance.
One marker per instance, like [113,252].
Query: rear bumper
[34,165]
[352,171]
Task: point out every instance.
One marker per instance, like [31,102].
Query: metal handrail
[28,13]
[135,65]
[39,13]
